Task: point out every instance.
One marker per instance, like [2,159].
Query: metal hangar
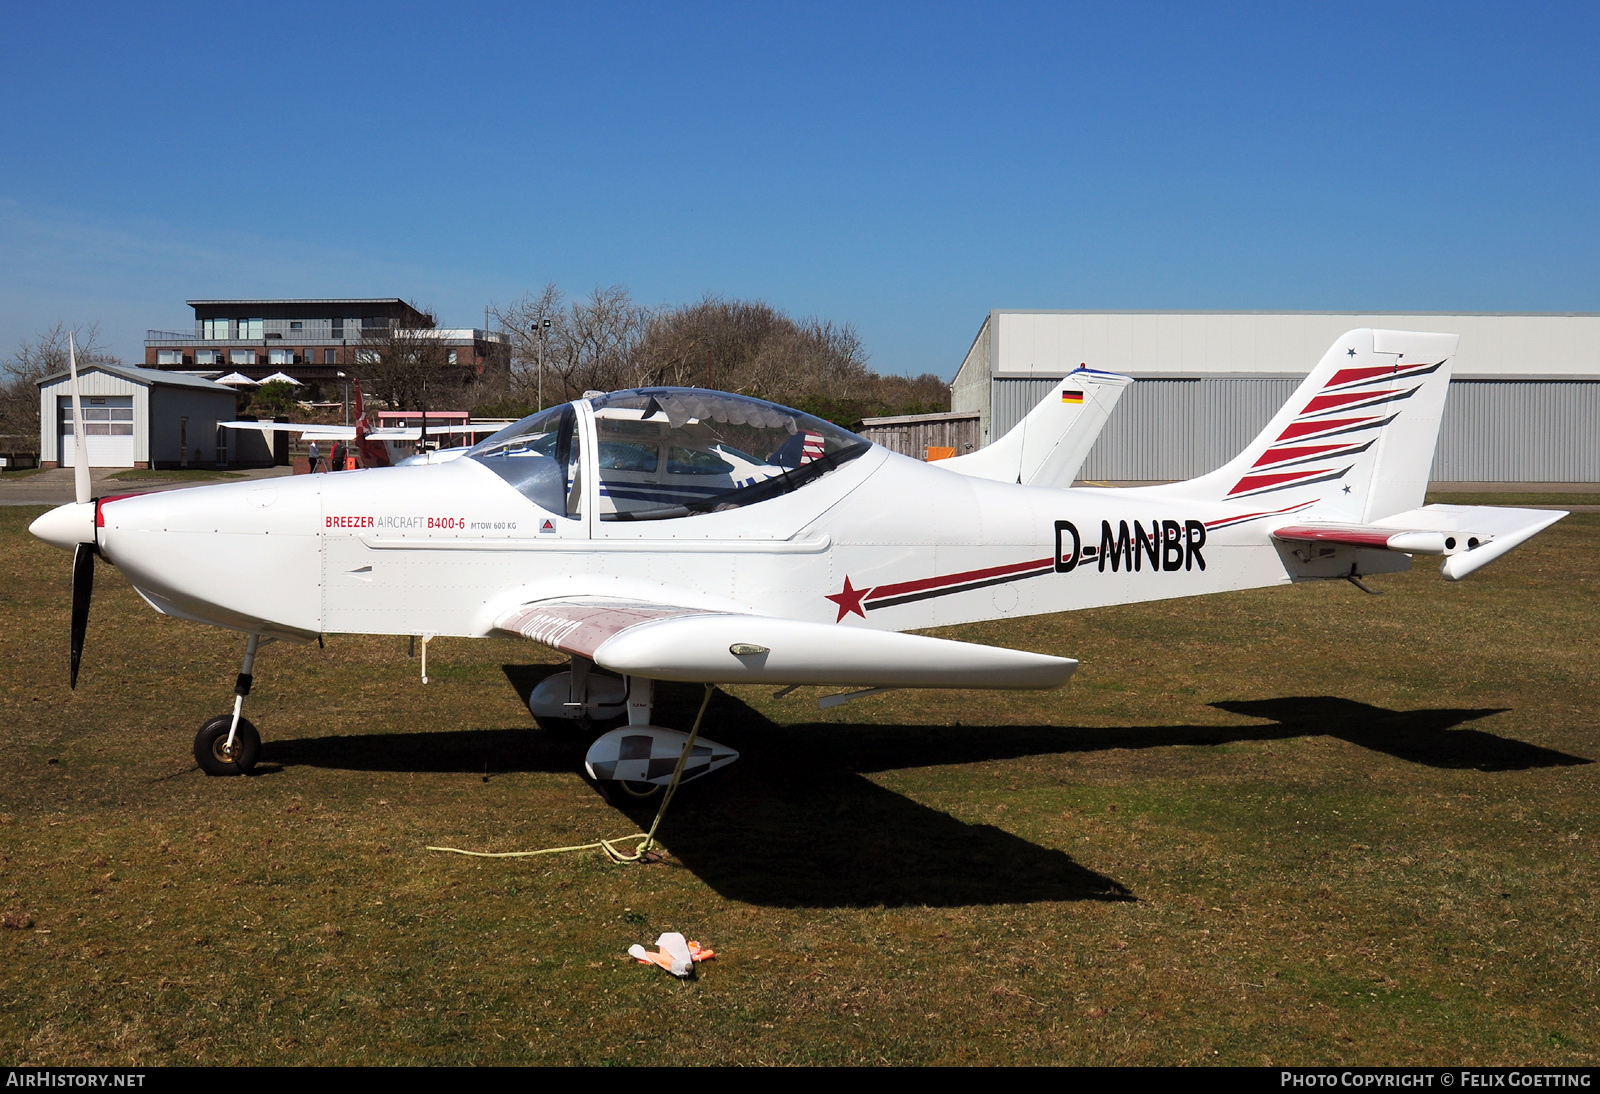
[1522,408]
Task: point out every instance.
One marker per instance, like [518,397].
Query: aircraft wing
[309,432]
[1468,536]
[413,432]
[664,642]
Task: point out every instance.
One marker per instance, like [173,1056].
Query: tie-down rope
[609,846]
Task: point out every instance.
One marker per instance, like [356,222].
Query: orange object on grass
[939,452]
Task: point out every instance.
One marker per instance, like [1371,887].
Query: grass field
[1296,825]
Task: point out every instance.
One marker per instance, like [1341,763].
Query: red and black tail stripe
[1290,457]
[1346,401]
[1326,415]
[1251,485]
[1347,378]
[1316,431]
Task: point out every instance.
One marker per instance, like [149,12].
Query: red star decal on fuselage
[849,600]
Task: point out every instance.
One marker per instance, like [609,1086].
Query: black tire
[583,727]
[208,747]
[566,727]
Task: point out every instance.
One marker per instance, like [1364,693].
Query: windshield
[677,452]
[540,457]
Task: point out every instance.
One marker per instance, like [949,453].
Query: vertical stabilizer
[1048,446]
[1357,437]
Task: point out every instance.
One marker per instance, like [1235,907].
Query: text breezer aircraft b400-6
[690,535]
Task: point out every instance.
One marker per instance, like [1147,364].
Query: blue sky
[901,168]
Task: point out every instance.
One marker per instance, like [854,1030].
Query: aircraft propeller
[83,554]
[82,589]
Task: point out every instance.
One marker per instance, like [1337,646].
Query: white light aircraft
[672,534]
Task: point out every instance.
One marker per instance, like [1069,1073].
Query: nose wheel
[228,744]
[217,756]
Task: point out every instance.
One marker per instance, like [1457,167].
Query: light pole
[540,326]
[345,382]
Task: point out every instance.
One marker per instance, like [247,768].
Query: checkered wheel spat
[648,754]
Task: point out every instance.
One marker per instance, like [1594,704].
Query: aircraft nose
[66,526]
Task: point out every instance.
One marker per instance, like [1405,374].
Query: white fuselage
[883,541]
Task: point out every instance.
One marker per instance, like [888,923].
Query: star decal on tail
[849,600]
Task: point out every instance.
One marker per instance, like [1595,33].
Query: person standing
[313,452]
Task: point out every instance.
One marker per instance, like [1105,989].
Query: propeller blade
[80,443]
[82,589]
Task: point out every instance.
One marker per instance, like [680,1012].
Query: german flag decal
[1071,395]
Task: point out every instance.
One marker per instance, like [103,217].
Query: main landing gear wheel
[215,757]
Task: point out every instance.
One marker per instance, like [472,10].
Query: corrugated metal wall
[1519,431]
[1493,431]
[1162,429]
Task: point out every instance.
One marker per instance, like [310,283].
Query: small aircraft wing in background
[1048,447]
[308,432]
[348,432]
[386,447]
[667,642]
[1467,536]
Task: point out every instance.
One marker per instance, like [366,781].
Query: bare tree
[33,360]
[710,343]
[608,341]
[527,325]
[603,337]
[409,367]
[755,349]
[590,344]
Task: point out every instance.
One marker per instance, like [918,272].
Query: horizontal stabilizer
[670,643]
[1467,536]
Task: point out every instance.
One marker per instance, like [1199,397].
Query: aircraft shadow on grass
[797,823]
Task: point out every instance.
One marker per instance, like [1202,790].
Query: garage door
[107,427]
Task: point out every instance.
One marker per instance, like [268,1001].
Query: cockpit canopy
[667,452]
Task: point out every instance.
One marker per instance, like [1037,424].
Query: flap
[581,625]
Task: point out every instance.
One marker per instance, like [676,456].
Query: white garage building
[134,417]
[1523,406]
